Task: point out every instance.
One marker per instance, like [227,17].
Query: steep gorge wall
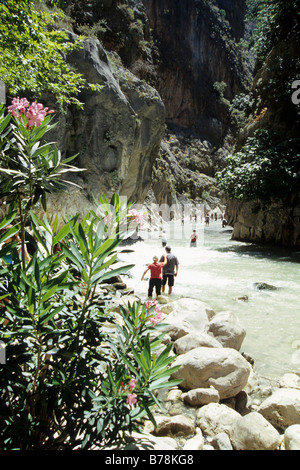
[278,222]
[197,47]
[158,62]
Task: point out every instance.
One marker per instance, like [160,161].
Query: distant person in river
[170,270]
[194,238]
[155,280]
[163,239]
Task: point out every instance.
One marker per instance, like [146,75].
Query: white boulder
[225,369]
[292,437]
[254,432]
[216,418]
[227,329]
[282,408]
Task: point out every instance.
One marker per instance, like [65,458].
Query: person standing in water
[194,238]
[170,270]
[163,239]
[155,280]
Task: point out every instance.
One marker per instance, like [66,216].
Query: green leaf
[116,272]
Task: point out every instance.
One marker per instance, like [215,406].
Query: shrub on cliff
[266,168]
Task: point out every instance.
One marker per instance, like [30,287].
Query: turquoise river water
[219,271]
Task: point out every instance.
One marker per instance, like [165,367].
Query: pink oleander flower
[132,384]
[36,114]
[150,303]
[158,318]
[18,104]
[131,399]
[137,216]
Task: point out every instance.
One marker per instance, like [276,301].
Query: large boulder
[193,341]
[282,408]
[292,437]
[216,418]
[223,368]
[187,316]
[254,432]
[227,329]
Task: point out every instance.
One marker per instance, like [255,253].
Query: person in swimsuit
[194,238]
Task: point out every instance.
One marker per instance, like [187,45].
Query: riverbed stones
[225,369]
[227,329]
[194,443]
[254,432]
[144,441]
[282,408]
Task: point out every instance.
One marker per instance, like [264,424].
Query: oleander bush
[78,372]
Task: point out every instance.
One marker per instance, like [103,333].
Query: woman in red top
[156,276]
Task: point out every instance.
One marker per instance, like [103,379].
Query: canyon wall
[172,62]
[197,47]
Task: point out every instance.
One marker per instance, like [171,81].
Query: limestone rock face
[118,133]
[278,225]
[223,368]
[191,62]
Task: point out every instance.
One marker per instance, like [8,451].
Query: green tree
[33,53]
[266,169]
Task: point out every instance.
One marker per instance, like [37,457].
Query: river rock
[254,432]
[201,396]
[222,368]
[292,437]
[196,442]
[282,408]
[187,316]
[290,381]
[227,329]
[221,441]
[174,426]
[215,418]
[193,341]
[263,286]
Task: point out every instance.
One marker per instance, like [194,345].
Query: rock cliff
[278,221]
[200,67]
[169,62]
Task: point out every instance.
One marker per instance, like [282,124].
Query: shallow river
[220,270]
